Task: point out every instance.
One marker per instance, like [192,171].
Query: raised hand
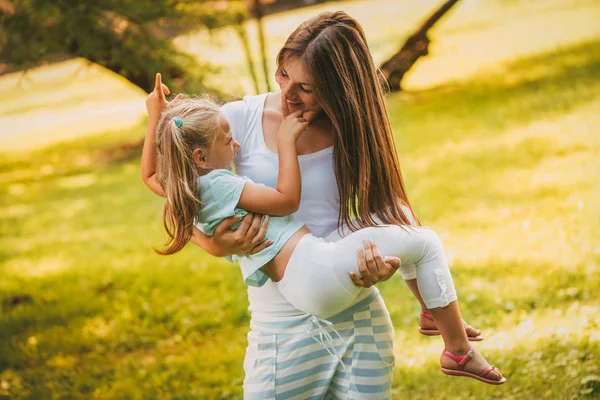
[292,127]
[156,101]
[285,110]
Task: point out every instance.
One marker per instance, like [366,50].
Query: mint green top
[220,192]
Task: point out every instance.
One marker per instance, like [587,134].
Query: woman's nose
[287,90]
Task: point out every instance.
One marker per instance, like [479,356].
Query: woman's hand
[248,238]
[372,266]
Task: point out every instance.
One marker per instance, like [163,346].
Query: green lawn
[500,145]
[504,166]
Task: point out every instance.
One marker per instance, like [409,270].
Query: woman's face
[296,86]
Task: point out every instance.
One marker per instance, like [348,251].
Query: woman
[349,167]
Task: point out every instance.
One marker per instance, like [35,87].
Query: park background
[498,135]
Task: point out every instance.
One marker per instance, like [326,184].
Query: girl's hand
[248,238]
[309,116]
[292,127]
[156,101]
[373,267]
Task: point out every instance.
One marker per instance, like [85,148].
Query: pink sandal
[435,332]
[462,360]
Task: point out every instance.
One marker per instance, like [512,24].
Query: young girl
[196,150]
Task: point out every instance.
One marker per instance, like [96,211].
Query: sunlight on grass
[64,101]
[578,322]
[79,181]
[17,210]
[97,327]
[571,158]
[36,268]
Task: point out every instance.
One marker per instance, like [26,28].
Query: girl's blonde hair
[333,48]
[177,172]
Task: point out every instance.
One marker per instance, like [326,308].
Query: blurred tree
[243,35]
[129,37]
[258,14]
[415,47]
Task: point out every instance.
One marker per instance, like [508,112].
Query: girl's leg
[423,248]
[409,274]
[428,324]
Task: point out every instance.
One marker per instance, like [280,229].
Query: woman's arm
[285,198]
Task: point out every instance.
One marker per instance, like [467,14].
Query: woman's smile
[294,105]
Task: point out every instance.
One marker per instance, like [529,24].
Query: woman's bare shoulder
[272,110]
[273,102]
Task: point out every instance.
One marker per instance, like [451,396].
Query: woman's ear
[199,158]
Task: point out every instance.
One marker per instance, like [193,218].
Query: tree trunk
[243,35]
[415,47]
[258,12]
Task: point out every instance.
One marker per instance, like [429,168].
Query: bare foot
[475,364]
[429,324]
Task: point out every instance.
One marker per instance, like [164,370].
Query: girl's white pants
[317,278]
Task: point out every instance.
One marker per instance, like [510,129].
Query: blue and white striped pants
[298,358]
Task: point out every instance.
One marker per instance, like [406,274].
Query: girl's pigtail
[184,126]
[180,181]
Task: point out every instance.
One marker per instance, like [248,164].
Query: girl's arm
[285,198]
[155,104]
[149,156]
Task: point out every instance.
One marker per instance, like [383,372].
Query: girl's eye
[305,90]
[284,74]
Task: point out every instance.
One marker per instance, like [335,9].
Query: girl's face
[296,87]
[225,148]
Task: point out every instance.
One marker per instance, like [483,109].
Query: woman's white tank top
[320,202]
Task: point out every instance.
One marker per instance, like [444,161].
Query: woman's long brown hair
[333,48]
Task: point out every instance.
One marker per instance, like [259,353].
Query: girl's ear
[199,158]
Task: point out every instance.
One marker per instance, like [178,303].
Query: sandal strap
[469,328]
[488,370]
[461,360]
[427,315]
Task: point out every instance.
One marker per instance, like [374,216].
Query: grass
[503,163]
[505,167]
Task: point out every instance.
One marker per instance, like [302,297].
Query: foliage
[131,37]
